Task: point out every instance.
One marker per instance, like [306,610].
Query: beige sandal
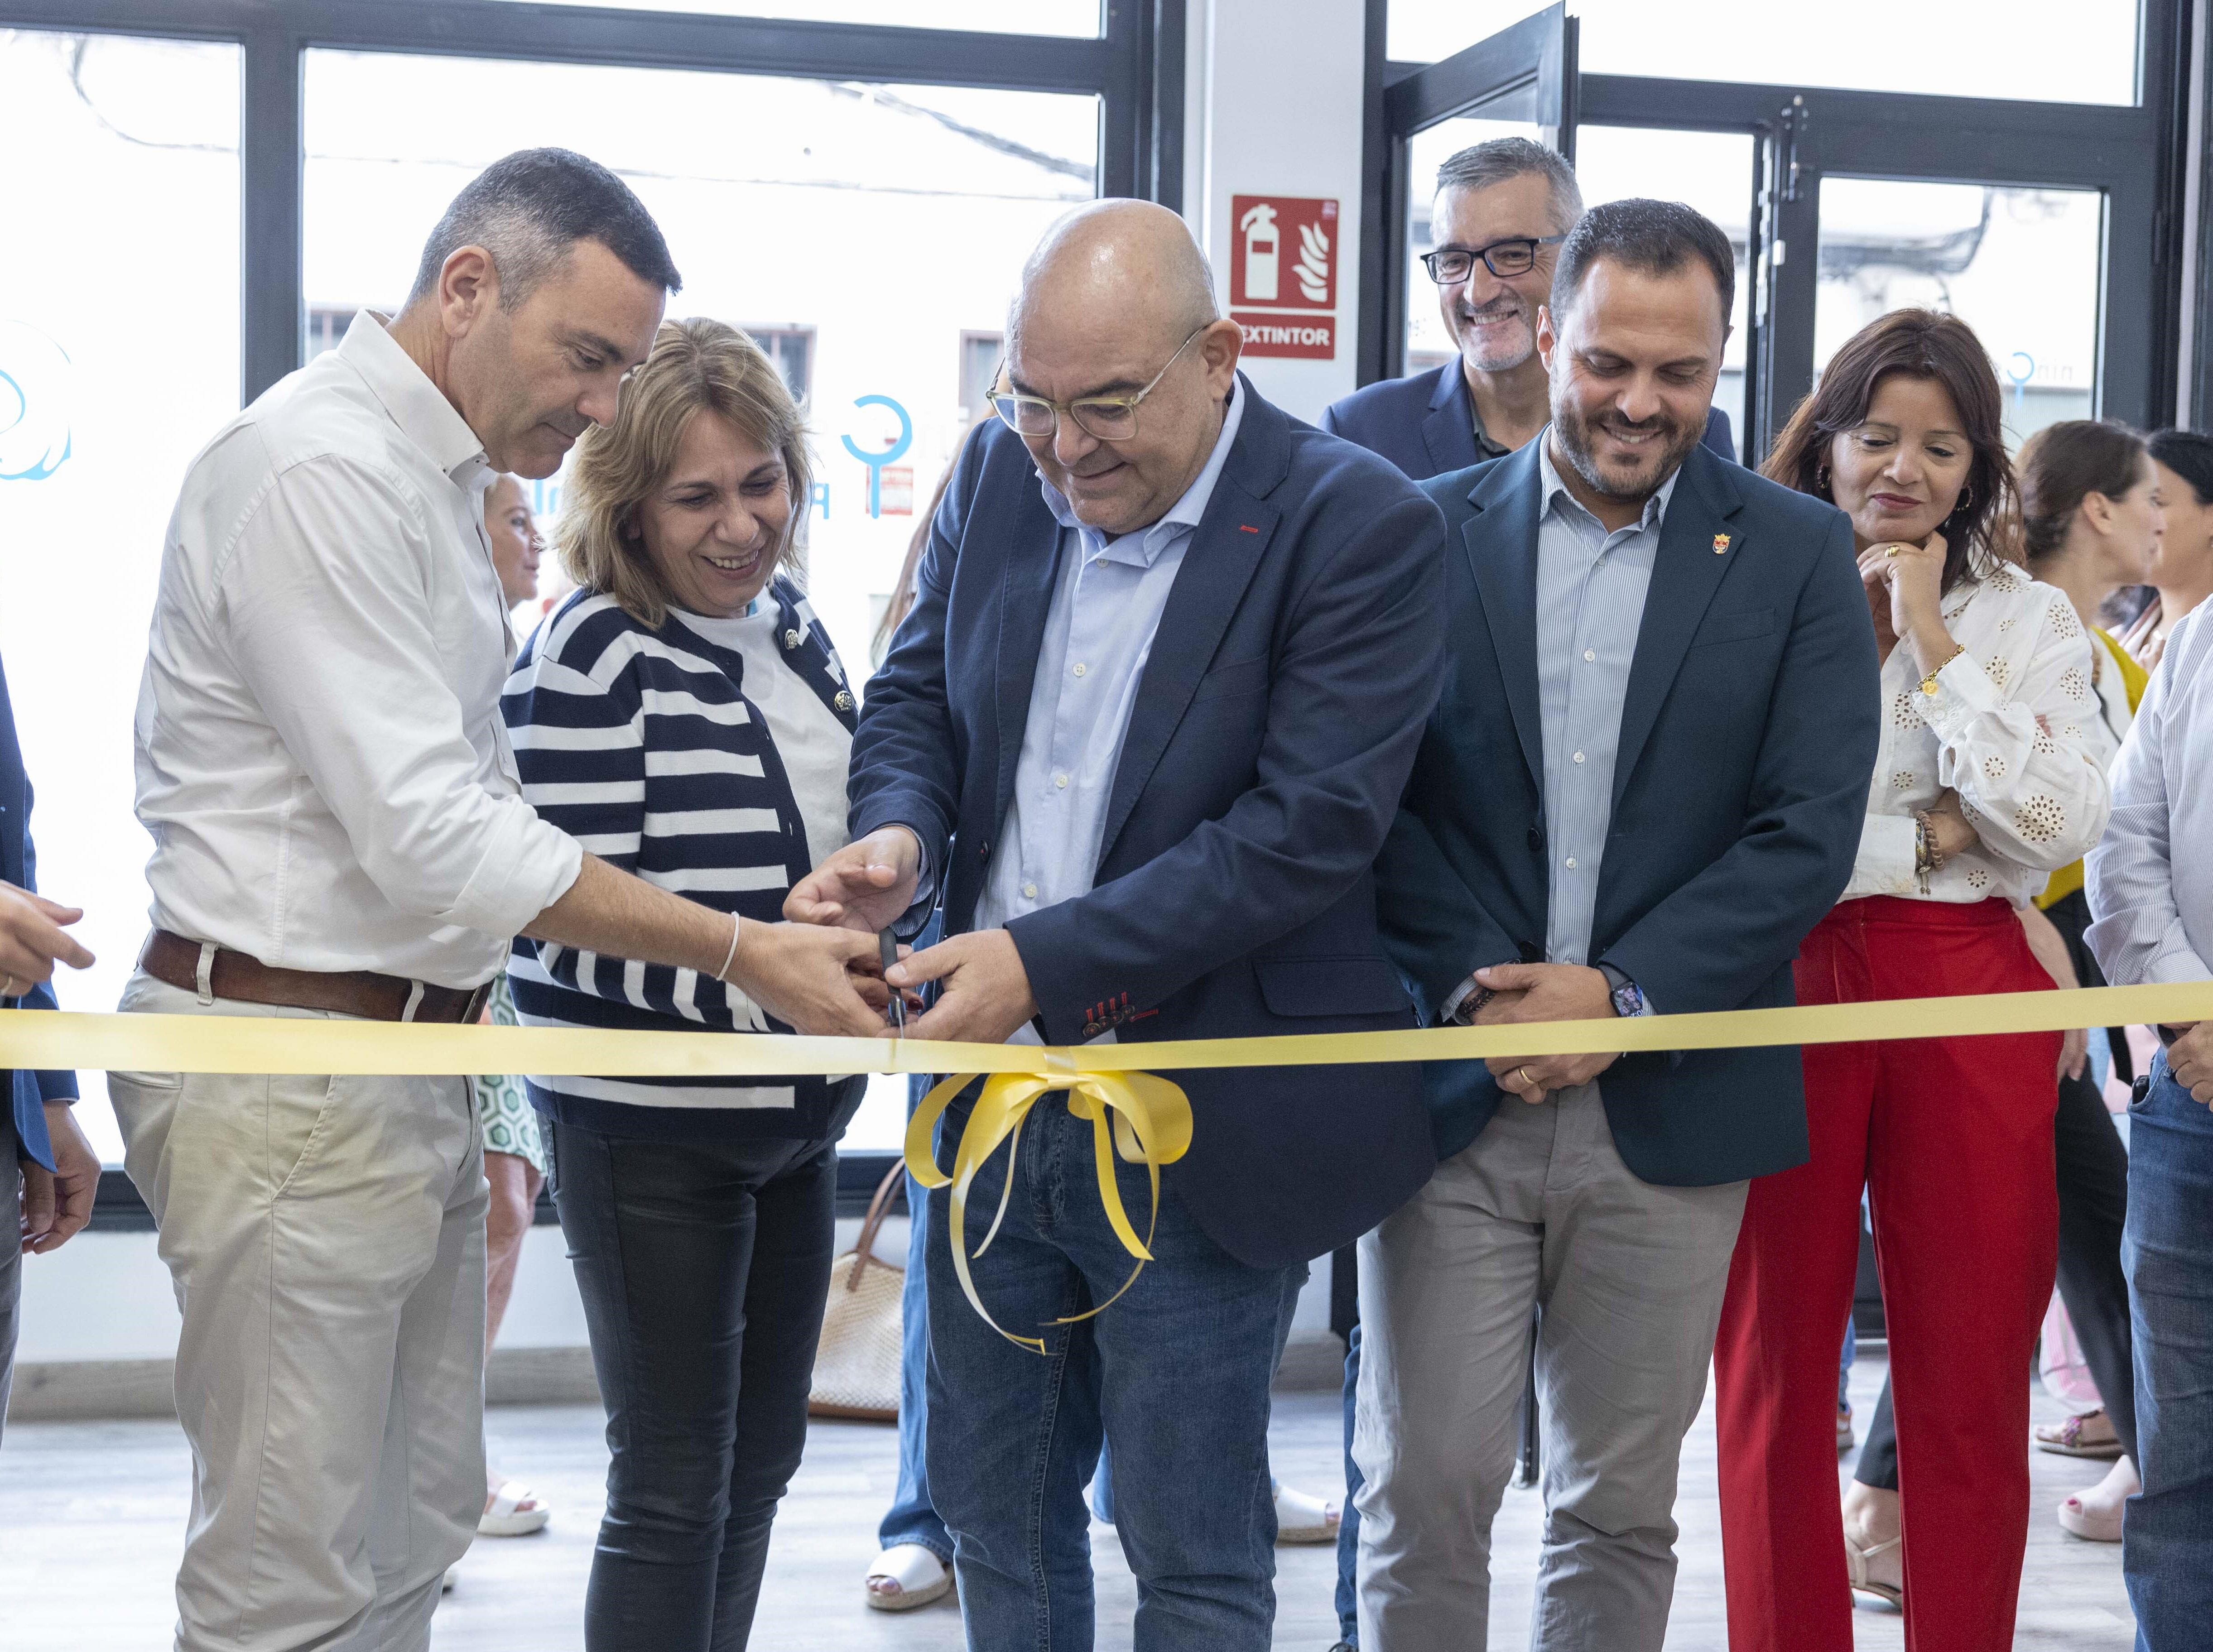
[921,1577]
[1856,1564]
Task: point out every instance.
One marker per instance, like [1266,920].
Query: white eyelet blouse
[2015,728]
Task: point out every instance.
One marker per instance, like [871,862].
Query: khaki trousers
[1540,1211]
[327,1239]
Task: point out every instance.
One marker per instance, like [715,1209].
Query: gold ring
[1526,1079]
[1892,550]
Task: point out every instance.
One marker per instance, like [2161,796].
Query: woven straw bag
[856,1364]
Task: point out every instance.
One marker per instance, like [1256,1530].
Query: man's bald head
[1117,304]
[1130,265]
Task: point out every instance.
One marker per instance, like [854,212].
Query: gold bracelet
[1929,682]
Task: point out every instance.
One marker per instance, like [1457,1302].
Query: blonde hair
[697,366]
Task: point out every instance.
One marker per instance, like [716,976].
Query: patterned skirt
[503,1109]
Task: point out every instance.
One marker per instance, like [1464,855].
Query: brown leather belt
[359,992]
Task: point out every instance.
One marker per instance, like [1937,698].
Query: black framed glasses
[1108,418]
[1516,255]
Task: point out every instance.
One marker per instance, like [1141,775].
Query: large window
[119,358]
[854,181]
[2046,51]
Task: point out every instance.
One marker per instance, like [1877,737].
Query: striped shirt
[645,747]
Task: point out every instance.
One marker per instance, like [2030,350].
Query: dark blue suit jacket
[27,1091]
[1748,733]
[1425,424]
[1267,748]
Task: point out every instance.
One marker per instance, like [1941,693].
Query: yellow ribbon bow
[1151,1126]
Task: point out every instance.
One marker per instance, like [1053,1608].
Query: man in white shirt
[2154,906]
[338,833]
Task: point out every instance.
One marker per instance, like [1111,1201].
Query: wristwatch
[1628,997]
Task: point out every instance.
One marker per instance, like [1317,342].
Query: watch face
[1628,1000]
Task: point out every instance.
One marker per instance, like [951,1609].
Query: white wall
[1272,107]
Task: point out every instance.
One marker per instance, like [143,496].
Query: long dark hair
[2061,465]
[1985,526]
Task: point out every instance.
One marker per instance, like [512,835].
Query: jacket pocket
[1241,677]
[1738,626]
[1330,986]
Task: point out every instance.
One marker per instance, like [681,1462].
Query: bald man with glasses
[1140,739]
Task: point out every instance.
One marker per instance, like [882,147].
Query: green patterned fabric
[503,1109]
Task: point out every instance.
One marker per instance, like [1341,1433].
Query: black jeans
[703,1268]
[2094,1204]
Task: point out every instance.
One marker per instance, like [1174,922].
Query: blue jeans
[912,1518]
[2167,1250]
[1348,1528]
[1176,1372]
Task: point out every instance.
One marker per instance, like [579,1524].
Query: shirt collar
[1556,493]
[1144,544]
[417,407]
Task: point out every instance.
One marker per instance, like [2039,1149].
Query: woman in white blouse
[1991,776]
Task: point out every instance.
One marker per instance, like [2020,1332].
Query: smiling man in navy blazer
[1643,784]
[1142,736]
[1501,209]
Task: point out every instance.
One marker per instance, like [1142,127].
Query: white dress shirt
[2015,728]
[1106,605]
[320,758]
[2151,875]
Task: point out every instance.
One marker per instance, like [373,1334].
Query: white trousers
[1539,1210]
[327,1239]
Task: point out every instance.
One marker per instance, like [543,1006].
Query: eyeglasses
[1109,418]
[1516,255]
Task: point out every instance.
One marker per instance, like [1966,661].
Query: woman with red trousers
[1990,775]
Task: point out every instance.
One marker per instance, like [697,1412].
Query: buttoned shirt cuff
[526,867]
[1886,859]
[1964,693]
[2175,960]
[1460,995]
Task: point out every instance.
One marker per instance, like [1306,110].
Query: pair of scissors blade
[887,950]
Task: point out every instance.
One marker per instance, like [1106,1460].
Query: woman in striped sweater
[684,716]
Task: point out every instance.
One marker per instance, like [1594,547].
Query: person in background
[2150,883]
[685,713]
[1644,783]
[48,1171]
[1222,632]
[2182,572]
[1991,778]
[2091,517]
[1501,210]
[514,1155]
[339,830]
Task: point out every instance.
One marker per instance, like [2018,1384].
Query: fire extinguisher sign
[1283,256]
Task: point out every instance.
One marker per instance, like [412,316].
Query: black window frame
[2134,154]
[1134,66]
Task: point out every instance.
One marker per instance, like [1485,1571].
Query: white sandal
[1303,1519]
[506,1517]
[921,1575]
[1855,1565]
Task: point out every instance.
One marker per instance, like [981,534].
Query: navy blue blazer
[1425,424]
[19,865]
[1748,733]
[1267,748]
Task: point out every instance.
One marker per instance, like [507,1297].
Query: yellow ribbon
[1147,1118]
[1150,1125]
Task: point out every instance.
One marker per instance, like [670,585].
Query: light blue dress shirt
[1106,605]
[1591,587]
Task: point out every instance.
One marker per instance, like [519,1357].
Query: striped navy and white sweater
[642,745]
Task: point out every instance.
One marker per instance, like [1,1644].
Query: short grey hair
[1498,159]
[528,209]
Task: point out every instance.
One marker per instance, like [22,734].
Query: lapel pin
[1721,544]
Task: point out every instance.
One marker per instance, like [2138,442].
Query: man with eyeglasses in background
[1142,736]
[1501,209]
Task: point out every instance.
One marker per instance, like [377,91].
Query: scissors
[887,949]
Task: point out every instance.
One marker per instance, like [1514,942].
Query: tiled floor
[92,1517]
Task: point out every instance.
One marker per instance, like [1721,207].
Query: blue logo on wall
[34,404]
[876,461]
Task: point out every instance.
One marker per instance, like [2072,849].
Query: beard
[1496,355]
[1638,481]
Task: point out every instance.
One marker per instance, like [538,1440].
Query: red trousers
[1953,1139]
